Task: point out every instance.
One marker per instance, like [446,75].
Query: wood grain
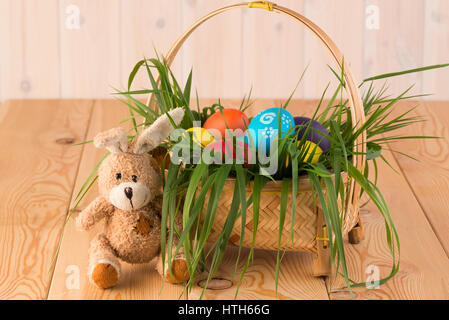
[29,55]
[137,281]
[345,30]
[38,165]
[90,55]
[436,47]
[214,50]
[423,265]
[295,278]
[393,47]
[272,53]
[5,33]
[429,176]
[38,172]
[41,57]
[146,27]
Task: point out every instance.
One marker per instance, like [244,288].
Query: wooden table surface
[41,172]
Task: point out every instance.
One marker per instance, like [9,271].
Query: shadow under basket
[310,230]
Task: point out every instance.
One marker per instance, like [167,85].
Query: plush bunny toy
[129,180]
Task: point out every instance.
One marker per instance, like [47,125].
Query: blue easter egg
[265,127]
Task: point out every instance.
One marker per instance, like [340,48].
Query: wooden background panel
[146,27]
[213,50]
[345,30]
[42,56]
[272,53]
[5,32]
[38,165]
[90,55]
[436,47]
[397,44]
[29,54]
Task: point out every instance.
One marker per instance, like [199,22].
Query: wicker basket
[310,227]
[305,222]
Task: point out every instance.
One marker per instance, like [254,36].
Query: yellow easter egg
[312,148]
[201,136]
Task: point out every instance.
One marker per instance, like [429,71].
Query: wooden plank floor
[41,172]
[38,168]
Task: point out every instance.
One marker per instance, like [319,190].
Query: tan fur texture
[130,201]
[159,130]
[115,140]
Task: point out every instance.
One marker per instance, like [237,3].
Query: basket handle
[355,103]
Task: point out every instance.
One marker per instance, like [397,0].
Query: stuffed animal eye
[118,176]
[134,178]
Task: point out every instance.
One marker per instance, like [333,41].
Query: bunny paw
[179,272]
[104,275]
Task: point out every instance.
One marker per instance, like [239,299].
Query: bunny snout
[129,192]
[129,195]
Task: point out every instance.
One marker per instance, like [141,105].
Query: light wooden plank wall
[41,57]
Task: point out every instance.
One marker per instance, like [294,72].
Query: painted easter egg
[225,147]
[228,118]
[201,136]
[265,127]
[316,140]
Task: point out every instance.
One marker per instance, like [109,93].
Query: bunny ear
[153,136]
[115,140]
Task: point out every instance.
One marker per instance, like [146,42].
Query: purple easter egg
[317,132]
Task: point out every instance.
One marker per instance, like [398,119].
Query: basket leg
[322,261]
[356,235]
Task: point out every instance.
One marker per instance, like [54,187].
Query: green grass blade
[395,74]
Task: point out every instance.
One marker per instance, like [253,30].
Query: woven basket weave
[268,227]
[310,229]
[305,220]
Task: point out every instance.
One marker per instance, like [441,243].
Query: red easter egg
[227,118]
[225,146]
